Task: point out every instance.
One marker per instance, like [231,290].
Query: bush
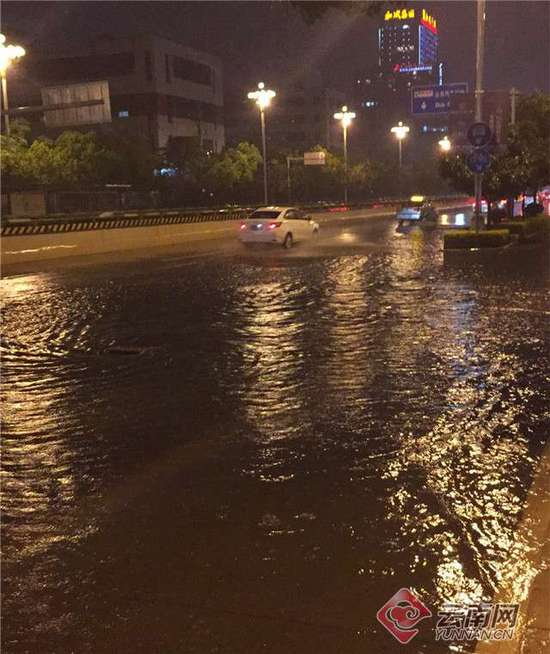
[515,227]
[467,238]
[533,209]
[531,229]
[537,228]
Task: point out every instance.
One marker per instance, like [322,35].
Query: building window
[167,68]
[192,71]
[148,66]
[117,64]
[124,113]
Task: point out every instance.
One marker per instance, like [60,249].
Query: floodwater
[240,452]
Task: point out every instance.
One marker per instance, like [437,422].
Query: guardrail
[29,225]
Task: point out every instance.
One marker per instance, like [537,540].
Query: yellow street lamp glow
[400,130]
[445,144]
[8,53]
[345,116]
[262,97]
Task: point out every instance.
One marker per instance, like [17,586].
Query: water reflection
[268,326]
[300,441]
[345,323]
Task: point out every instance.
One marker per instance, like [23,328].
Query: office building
[156,87]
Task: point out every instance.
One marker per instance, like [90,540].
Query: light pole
[262,97]
[400,132]
[7,54]
[345,117]
[445,145]
[480,54]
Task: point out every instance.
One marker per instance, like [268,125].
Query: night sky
[269,41]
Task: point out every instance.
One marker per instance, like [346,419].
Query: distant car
[278,225]
[415,211]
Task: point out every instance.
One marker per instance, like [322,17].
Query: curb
[525,583]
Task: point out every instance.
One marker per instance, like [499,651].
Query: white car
[282,225]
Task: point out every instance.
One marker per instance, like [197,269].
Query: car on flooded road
[416,210]
[277,226]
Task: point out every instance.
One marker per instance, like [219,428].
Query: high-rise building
[408,45]
[408,56]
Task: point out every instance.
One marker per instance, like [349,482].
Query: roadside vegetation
[521,165]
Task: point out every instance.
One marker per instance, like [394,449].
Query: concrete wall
[37,247]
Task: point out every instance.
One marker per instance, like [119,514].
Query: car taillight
[243,226]
[274,225]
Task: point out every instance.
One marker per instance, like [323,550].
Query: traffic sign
[435,99]
[479,134]
[479,160]
[314,158]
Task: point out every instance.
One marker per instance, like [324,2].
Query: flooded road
[251,452]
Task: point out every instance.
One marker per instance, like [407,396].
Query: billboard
[314,158]
[86,103]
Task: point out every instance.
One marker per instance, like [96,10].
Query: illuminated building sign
[429,21]
[399,14]
[400,68]
[406,14]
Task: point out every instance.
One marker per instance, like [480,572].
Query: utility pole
[513,97]
[264,151]
[346,163]
[345,117]
[262,97]
[480,53]
[5,102]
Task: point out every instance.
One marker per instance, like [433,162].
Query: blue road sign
[478,161]
[479,134]
[435,99]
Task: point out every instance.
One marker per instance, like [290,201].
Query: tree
[79,159]
[507,176]
[522,164]
[13,149]
[233,168]
[531,136]
[76,159]
[128,158]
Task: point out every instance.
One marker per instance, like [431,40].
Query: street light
[345,117]
[400,132]
[262,97]
[445,145]
[7,54]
